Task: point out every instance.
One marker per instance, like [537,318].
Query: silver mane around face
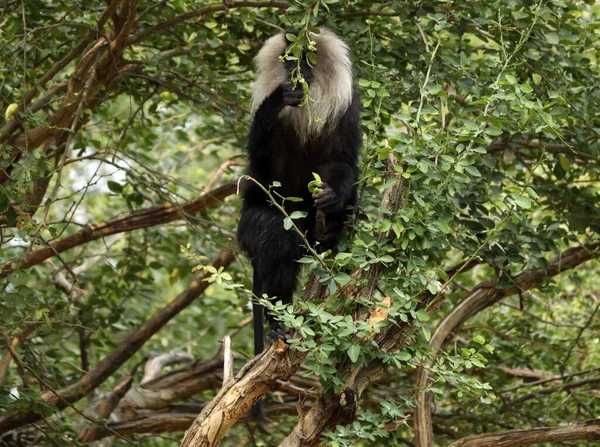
[330,92]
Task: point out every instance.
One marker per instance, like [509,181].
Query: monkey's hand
[329,237]
[279,331]
[290,96]
[327,200]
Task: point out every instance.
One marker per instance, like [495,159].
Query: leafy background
[482,138]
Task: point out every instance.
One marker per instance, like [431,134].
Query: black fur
[276,154]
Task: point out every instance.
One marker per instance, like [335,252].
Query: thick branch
[206,10]
[156,215]
[588,430]
[177,420]
[109,364]
[259,376]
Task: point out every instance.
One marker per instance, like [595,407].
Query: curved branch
[259,376]
[485,295]
[150,217]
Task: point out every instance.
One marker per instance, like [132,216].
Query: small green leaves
[10,110]
[354,353]
[313,185]
[521,201]
[479,339]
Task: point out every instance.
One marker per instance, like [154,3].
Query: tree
[460,309]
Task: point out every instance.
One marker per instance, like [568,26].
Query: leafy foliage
[481,150]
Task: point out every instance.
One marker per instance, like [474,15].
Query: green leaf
[426,332]
[443,226]
[564,162]
[422,315]
[114,186]
[287,223]
[354,353]
[342,278]
[479,339]
[313,185]
[298,215]
[473,171]
[471,127]
[525,88]
[522,201]
[10,110]
[552,38]
[403,356]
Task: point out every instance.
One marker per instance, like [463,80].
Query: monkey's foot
[279,332]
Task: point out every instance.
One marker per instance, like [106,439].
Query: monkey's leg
[273,251]
[275,274]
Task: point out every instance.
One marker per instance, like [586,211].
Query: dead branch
[155,365]
[227,359]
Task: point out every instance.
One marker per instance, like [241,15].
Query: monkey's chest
[292,166]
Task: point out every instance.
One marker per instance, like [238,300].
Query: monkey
[287,143]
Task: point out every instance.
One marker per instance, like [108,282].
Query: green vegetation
[463,300]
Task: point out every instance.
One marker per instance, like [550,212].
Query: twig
[227,359]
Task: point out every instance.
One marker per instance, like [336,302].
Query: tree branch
[485,295]
[156,215]
[113,361]
[207,10]
[588,430]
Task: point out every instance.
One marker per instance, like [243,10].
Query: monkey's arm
[266,119]
[340,172]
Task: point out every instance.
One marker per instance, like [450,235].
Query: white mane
[330,92]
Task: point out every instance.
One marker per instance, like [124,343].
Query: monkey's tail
[259,346]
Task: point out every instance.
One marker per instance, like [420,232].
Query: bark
[481,297]
[177,420]
[588,431]
[107,407]
[112,362]
[237,397]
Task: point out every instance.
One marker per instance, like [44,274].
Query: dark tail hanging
[259,346]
